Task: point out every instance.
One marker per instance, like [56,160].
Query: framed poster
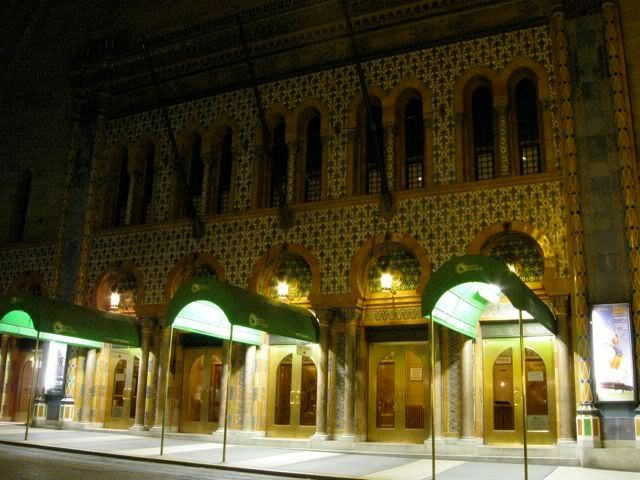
[612,353]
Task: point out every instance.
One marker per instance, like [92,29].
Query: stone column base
[637,422]
[588,430]
[320,437]
[138,428]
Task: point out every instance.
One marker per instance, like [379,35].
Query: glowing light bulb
[115,300]
[386,281]
[283,289]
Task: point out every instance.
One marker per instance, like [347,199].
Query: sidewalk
[293,461]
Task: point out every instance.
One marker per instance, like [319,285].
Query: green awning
[209,307]
[457,293]
[25,315]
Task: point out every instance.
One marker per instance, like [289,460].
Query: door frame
[277,353]
[204,425]
[399,434]
[115,356]
[544,347]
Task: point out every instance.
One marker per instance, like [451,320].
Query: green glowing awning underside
[25,315]
[208,307]
[452,295]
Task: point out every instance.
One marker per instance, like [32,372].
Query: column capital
[325,317]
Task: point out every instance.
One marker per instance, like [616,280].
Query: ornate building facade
[506,129]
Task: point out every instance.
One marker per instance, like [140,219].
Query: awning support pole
[33,387]
[433,399]
[166,392]
[523,392]
[226,399]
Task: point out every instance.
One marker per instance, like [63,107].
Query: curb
[182,463]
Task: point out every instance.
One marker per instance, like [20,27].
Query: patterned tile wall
[40,259]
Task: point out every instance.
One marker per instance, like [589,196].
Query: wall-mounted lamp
[115,300]
[386,283]
[283,290]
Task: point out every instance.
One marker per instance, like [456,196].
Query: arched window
[279,165]
[148,172]
[483,147]
[372,181]
[196,172]
[312,171]
[20,207]
[413,133]
[224,172]
[527,127]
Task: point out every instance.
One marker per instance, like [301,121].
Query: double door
[293,379]
[398,392]
[503,410]
[122,387]
[201,390]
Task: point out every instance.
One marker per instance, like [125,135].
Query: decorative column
[248,415]
[323,356]
[467,400]
[437,401]
[7,399]
[162,376]
[349,375]
[152,379]
[141,393]
[293,150]
[362,361]
[332,373]
[223,389]
[565,383]
[4,345]
[78,395]
[87,390]
[390,132]
[207,181]
[587,419]
[261,382]
[503,141]
[175,383]
[627,159]
[134,180]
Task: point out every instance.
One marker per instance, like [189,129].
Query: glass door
[122,387]
[503,412]
[293,378]
[201,390]
[398,392]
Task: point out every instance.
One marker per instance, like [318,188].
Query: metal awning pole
[226,399]
[31,402]
[433,399]
[166,392]
[523,390]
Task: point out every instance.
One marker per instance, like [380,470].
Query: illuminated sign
[612,353]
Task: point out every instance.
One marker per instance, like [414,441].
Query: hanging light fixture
[386,281]
[283,289]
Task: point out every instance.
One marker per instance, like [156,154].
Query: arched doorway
[398,392]
[292,391]
[201,390]
[502,372]
[24,390]
[122,388]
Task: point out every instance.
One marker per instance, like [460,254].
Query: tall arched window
[372,175]
[312,171]
[147,183]
[482,128]
[196,171]
[224,172]
[527,127]
[279,165]
[413,168]
[20,207]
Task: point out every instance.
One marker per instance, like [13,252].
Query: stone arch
[188,267]
[541,239]
[28,282]
[372,247]
[267,264]
[119,273]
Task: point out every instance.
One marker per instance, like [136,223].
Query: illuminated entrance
[502,380]
[210,307]
[201,390]
[293,379]
[122,388]
[398,392]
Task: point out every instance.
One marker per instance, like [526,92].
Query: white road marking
[284,459]
[146,452]
[414,470]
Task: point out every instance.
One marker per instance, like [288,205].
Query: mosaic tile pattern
[39,259]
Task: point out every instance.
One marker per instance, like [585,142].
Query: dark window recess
[147,193]
[224,183]
[414,144]
[373,179]
[528,132]
[483,144]
[196,172]
[313,162]
[123,190]
[21,206]
[278,167]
